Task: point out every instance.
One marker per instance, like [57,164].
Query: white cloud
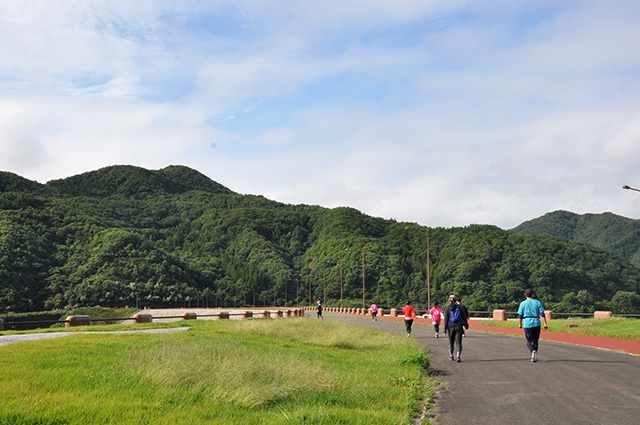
[78,135]
[443,113]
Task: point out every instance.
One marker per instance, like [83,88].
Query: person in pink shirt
[436,315]
[374,312]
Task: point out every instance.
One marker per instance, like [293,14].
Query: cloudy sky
[444,113]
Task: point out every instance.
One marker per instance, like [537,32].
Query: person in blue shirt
[529,313]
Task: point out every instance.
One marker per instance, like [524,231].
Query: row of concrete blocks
[498,315]
[501,315]
[393,312]
[357,311]
[82,320]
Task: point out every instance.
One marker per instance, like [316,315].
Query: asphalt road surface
[496,383]
[13,339]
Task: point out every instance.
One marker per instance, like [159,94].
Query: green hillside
[124,235]
[613,233]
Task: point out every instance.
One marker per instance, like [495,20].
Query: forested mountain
[608,231]
[124,235]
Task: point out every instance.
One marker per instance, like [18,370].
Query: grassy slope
[218,372]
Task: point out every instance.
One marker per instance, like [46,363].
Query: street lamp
[426,232]
[324,286]
[310,302]
[340,263]
[630,188]
[311,270]
[362,251]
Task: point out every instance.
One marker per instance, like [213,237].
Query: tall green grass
[615,327]
[295,371]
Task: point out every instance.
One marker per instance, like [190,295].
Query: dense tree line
[608,231]
[126,236]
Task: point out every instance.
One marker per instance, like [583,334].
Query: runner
[529,313]
[455,319]
[319,310]
[466,311]
[436,316]
[409,316]
[374,312]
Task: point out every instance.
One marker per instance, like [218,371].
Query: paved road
[497,384]
[13,339]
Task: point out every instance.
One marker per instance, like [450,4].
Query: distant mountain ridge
[127,180]
[125,235]
[611,232]
[135,181]
[10,182]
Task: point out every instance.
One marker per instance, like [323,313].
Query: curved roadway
[496,383]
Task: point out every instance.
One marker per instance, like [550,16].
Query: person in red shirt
[409,316]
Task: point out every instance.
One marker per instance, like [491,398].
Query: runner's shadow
[582,361]
[525,360]
[472,360]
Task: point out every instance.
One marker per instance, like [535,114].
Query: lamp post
[340,263]
[311,269]
[426,232]
[630,188]
[310,302]
[362,251]
[324,286]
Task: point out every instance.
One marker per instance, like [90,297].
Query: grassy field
[616,327]
[294,371]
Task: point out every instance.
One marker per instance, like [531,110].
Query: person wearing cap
[409,316]
[529,313]
[455,321]
[319,310]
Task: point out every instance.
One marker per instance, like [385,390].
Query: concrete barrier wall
[77,321]
[602,314]
[142,318]
[82,320]
[500,315]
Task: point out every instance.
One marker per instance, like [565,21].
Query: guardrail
[498,315]
[82,320]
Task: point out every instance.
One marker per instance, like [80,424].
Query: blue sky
[441,113]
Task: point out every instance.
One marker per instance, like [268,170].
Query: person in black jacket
[464,307]
[455,321]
